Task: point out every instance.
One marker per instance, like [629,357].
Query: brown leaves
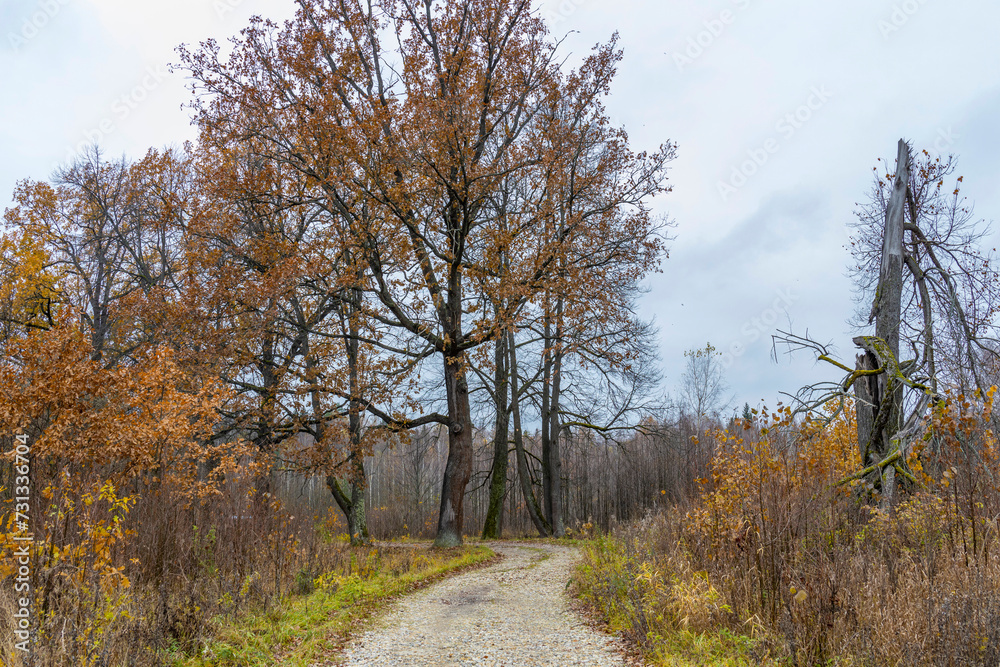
[144,418]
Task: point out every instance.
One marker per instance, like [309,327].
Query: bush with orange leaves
[758,468]
[100,438]
[144,419]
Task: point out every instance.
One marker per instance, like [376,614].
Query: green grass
[681,648]
[614,583]
[312,628]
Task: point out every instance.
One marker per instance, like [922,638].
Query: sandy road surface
[514,613]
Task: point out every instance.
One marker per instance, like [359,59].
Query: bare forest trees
[108,230]
[604,481]
[703,384]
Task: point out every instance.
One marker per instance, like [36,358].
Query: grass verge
[306,628]
[617,591]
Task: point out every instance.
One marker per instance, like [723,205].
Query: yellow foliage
[28,281]
[782,458]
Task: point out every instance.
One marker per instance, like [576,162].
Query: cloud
[785,229]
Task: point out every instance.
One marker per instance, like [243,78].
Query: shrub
[775,551]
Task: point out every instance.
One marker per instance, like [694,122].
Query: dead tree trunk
[866,393]
[880,397]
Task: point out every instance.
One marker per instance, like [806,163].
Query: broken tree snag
[883,416]
[866,403]
[888,295]
[887,386]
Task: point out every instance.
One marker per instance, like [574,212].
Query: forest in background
[390,292]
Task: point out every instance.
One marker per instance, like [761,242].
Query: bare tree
[703,384]
[933,290]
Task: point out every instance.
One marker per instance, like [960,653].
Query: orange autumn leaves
[145,418]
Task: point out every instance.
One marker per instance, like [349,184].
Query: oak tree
[405,118]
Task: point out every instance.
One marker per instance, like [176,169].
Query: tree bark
[353,506]
[555,458]
[264,438]
[493,526]
[523,474]
[358,510]
[867,396]
[886,313]
[890,285]
[357,520]
[458,469]
[547,481]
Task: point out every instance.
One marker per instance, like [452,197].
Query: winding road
[514,613]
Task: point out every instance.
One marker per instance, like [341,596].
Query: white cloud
[785,227]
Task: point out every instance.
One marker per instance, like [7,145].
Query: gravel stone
[514,613]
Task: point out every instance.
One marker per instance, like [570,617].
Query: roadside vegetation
[315,620]
[781,561]
[138,582]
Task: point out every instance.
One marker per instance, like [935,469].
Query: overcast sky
[779,109]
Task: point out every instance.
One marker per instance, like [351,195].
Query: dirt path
[514,613]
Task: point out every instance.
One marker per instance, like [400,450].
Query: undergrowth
[122,578]
[778,563]
[310,627]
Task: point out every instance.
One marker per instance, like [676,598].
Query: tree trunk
[353,507]
[886,313]
[547,482]
[555,459]
[493,526]
[890,284]
[357,521]
[265,435]
[458,469]
[867,397]
[358,500]
[523,474]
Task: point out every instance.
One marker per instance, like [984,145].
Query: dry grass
[122,578]
[782,565]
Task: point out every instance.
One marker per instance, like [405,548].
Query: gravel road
[514,613]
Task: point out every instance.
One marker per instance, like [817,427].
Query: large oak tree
[406,117]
